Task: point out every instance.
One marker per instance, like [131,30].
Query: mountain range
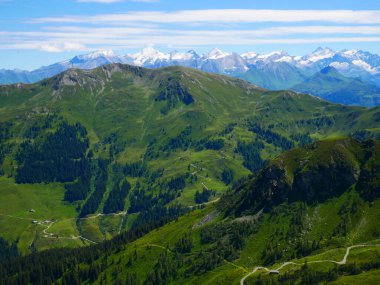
[129,175]
[172,131]
[275,70]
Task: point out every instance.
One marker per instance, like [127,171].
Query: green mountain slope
[331,237]
[321,171]
[330,85]
[143,144]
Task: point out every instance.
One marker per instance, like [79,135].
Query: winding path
[55,236]
[343,261]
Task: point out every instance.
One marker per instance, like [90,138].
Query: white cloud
[195,28]
[50,48]
[61,47]
[274,31]
[226,16]
[88,42]
[109,35]
[291,30]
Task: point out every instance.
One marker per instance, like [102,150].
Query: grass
[90,229]
[150,246]
[16,202]
[370,277]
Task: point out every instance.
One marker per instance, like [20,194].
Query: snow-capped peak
[149,54]
[350,52]
[98,53]
[216,53]
[320,53]
[321,50]
[175,55]
[273,53]
[285,58]
[249,55]
[273,56]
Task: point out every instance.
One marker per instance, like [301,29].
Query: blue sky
[35,32]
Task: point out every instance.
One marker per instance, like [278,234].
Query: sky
[34,33]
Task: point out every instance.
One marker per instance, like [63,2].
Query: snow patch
[350,52]
[274,53]
[340,65]
[320,54]
[183,55]
[249,55]
[285,59]
[362,64]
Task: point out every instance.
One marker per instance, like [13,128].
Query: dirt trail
[160,246]
[343,261]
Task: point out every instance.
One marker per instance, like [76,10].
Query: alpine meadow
[176,167]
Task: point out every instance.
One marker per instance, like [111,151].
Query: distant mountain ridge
[331,85]
[276,70]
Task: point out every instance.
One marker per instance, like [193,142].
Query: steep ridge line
[343,261]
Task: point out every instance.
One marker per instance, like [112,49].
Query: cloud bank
[194,28]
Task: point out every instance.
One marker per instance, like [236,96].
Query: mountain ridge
[331,85]
[149,57]
[315,173]
[276,71]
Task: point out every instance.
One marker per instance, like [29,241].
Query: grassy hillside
[326,169]
[334,239]
[178,136]
[21,204]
